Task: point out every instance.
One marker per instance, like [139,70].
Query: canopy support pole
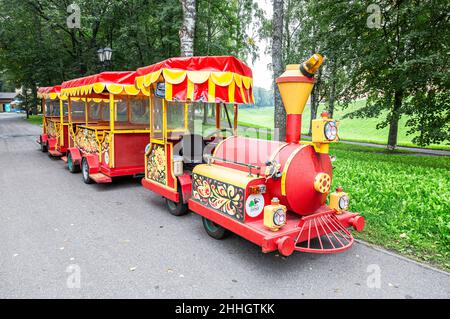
[235,124]
[218,116]
[61,122]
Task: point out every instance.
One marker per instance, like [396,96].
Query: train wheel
[44,147]
[73,168]
[177,209]
[85,171]
[214,230]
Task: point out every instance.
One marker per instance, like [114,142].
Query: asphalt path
[60,238]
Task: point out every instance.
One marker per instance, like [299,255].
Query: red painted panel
[186,186]
[129,149]
[163,191]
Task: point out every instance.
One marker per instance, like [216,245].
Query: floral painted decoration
[156,167]
[222,197]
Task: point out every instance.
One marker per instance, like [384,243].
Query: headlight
[331,131]
[343,202]
[279,218]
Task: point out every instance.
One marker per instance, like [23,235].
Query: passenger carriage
[112,140]
[55,126]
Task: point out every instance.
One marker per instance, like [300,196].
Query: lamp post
[105,55]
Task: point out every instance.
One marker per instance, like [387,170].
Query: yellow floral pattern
[222,197]
[156,167]
[51,129]
[86,141]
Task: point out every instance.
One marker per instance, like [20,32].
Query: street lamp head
[107,54]
[101,55]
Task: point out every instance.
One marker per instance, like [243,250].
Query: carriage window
[54,107]
[66,108]
[104,111]
[175,116]
[139,110]
[78,108]
[157,118]
[48,110]
[95,110]
[121,110]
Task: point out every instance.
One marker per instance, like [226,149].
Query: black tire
[177,209]
[73,168]
[85,171]
[44,147]
[214,230]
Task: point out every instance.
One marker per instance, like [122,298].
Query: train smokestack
[295,86]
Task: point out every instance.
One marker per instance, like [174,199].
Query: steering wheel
[207,137]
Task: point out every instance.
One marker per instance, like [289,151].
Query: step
[55,153]
[64,159]
[100,178]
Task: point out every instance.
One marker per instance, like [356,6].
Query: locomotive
[272,193]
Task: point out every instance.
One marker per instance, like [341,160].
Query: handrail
[209,158]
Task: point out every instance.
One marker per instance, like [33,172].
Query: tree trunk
[205,113]
[395,117]
[34,100]
[277,66]
[187,30]
[332,96]
[315,101]
[187,35]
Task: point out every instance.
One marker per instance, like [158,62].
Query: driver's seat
[192,147]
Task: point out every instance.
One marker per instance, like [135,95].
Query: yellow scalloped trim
[131,90]
[198,77]
[155,76]
[145,91]
[222,78]
[114,88]
[99,87]
[139,82]
[146,80]
[174,76]
[238,80]
[247,81]
[53,96]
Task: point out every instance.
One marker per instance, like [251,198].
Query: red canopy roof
[200,63]
[200,79]
[49,89]
[120,82]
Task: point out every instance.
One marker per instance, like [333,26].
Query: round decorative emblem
[107,158]
[254,205]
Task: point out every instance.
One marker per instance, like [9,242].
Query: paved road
[125,244]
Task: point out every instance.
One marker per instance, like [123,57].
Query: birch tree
[277,66]
[187,30]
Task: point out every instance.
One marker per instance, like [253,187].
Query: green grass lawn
[362,130]
[35,119]
[405,199]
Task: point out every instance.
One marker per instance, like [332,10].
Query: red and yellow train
[272,193]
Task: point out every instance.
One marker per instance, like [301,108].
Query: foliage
[221,27]
[35,119]
[37,48]
[263,97]
[400,65]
